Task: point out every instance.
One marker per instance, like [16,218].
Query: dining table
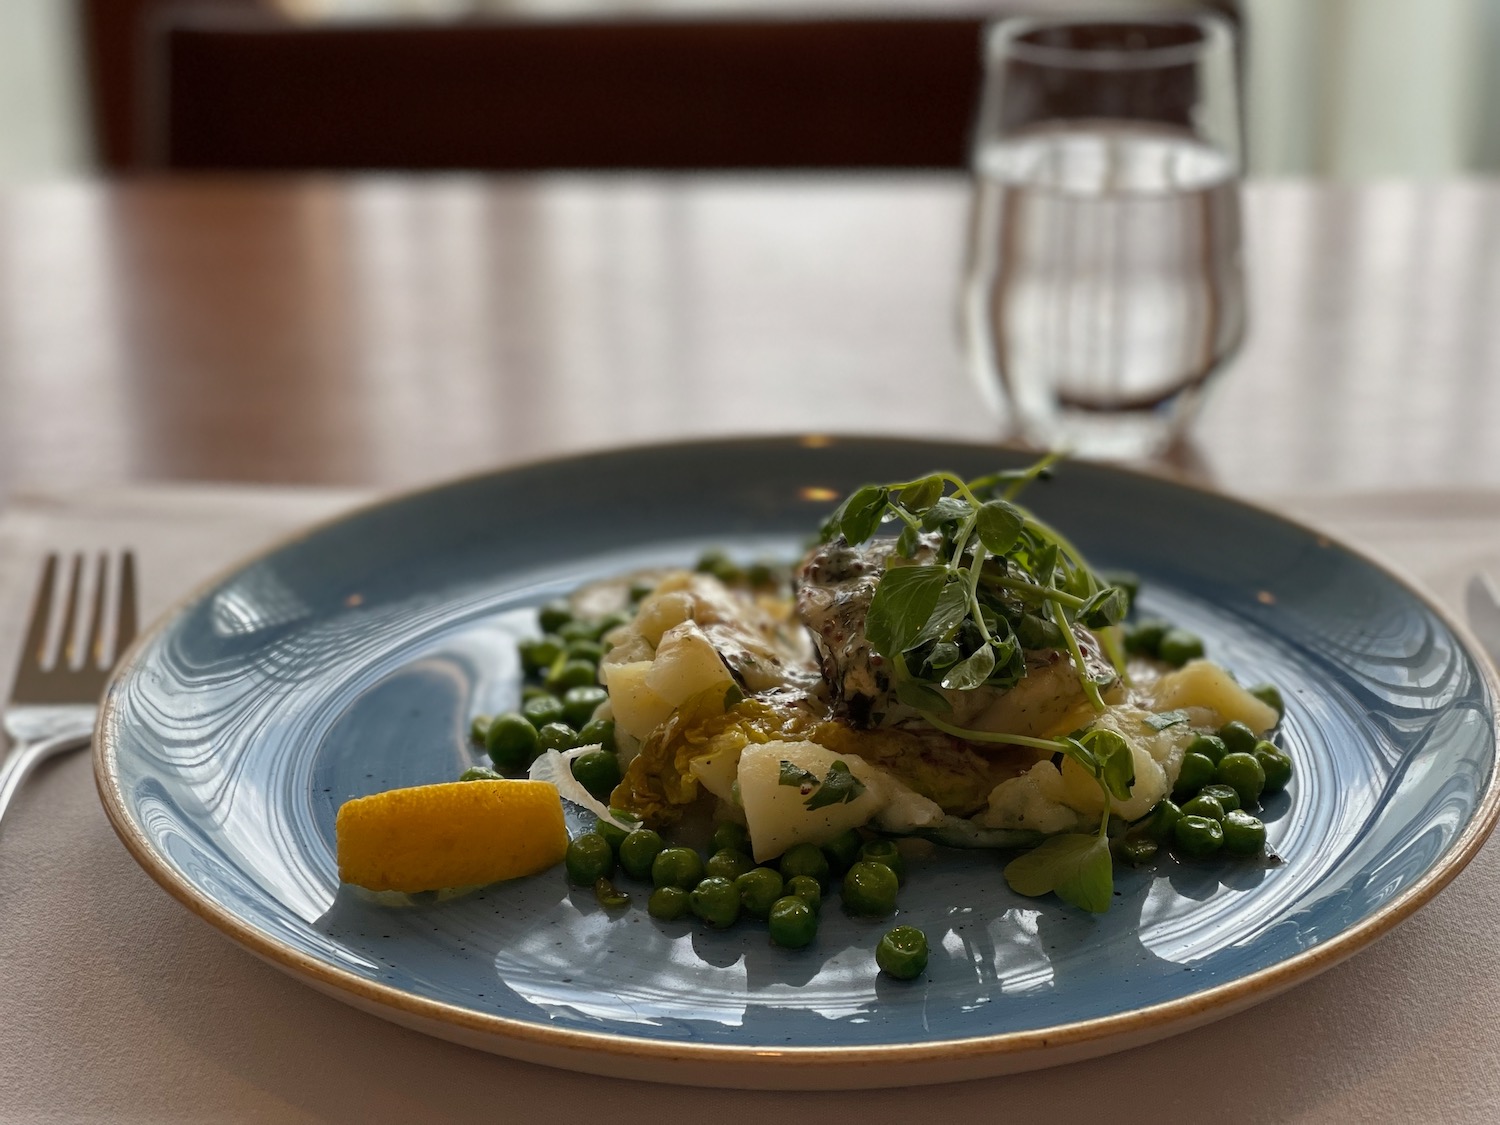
[195,367]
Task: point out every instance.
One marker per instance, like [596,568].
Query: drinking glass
[1104,285]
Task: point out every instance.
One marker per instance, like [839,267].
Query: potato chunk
[777,815]
[1202,683]
[638,710]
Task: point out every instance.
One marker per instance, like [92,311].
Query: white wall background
[42,129]
[1348,88]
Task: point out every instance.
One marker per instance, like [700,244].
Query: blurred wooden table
[392,331]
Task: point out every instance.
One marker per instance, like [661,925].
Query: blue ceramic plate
[350,661]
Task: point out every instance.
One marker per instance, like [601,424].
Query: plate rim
[595,1050]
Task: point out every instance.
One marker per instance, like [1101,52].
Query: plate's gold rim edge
[1228,997]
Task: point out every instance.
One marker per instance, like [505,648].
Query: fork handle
[26,756]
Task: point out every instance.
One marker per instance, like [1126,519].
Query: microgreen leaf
[1044,564]
[944,655]
[920,495]
[1075,748]
[1166,719]
[904,601]
[973,671]
[999,525]
[1036,632]
[907,542]
[1075,866]
[947,614]
[860,514]
[794,775]
[949,509]
[1116,763]
[1108,607]
[920,697]
[838,787]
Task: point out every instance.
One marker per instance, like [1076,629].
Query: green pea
[1243,834]
[759,889]
[805,859]
[1163,820]
[807,889]
[608,895]
[1204,806]
[721,567]
[762,573]
[842,851]
[729,836]
[579,704]
[641,590]
[479,726]
[902,953]
[716,901]
[886,852]
[588,859]
[590,651]
[667,904]
[727,863]
[1144,637]
[511,741]
[1238,738]
[1276,765]
[677,867]
[638,851]
[554,615]
[1227,796]
[532,691]
[480,773]
[539,655]
[1197,771]
[792,923]
[598,771]
[1178,646]
[611,832]
[870,889]
[1136,849]
[1270,695]
[598,732]
[577,630]
[571,674]
[1198,836]
[1245,774]
[1211,746]
[555,736]
[540,710]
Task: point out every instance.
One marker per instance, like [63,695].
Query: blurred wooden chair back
[243,92]
[227,84]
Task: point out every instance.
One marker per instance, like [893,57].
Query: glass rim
[1004,38]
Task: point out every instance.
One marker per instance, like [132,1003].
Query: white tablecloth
[118,1005]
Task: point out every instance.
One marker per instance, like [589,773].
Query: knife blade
[1483,604]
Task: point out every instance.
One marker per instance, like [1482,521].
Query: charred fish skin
[834,588]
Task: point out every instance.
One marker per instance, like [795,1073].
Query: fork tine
[125,610]
[67,648]
[41,613]
[94,652]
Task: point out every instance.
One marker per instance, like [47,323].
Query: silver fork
[55,699]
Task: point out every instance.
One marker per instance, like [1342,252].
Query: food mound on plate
[969,680]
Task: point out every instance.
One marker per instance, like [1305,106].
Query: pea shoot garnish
[976,580]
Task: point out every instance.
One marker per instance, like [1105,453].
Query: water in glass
[1104,286]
